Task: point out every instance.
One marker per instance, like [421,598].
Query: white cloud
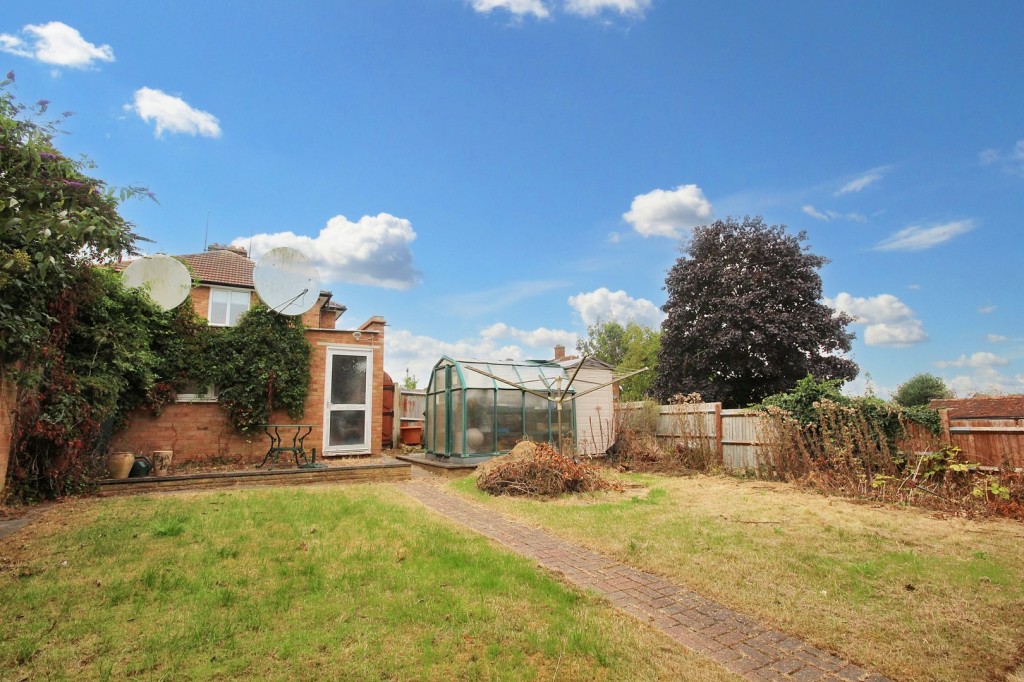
[518,8]
[996,338]
[1011,161]
[986,381]
[542,337]
[986,309]
[403,349]
[915,287]
[56,43]
[374,251]
[975,360]
[607,306]
[614,237]
[172,114]
[887,320]
[589,8]
[814,213]
[915,238]
[669,213]
[858,184]
[832,215]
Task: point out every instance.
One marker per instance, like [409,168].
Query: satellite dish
[286,281]
[168,279]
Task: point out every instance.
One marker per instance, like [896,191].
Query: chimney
[559,352]
[240,250]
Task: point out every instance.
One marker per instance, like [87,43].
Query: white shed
[595,411]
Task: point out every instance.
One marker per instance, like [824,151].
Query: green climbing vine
[258,366]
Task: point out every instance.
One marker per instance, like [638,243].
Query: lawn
[912,595]
[355,582]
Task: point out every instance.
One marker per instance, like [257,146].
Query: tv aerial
[286,281]
[169,281]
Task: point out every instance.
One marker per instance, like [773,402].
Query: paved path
[737,642]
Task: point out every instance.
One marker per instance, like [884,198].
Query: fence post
[719,437]
[944,422]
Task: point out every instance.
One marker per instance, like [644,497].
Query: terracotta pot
[412,434]
[162,462]
[120,463]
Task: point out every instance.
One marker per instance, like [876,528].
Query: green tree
[920,389]
[53,219]
[745,318]
[409,382]
[625,348]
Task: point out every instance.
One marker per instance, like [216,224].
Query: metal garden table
[297,447]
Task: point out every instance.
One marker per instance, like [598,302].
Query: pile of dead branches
[544,473]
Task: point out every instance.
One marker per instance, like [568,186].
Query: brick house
[345,401]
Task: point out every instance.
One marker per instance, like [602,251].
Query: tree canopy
[745,317]
[921,389]
[625,347]
[53,219]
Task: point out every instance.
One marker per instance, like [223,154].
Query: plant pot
[162,462]
[119,464]
[412,434]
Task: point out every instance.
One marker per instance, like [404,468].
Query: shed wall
[595,412]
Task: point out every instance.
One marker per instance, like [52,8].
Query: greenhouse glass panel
[439,379]
[480,421]
[456,422]
[509,419]
[440,423]
[538,425]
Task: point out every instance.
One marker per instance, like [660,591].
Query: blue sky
[490,176]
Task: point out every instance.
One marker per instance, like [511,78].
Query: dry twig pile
[545,473]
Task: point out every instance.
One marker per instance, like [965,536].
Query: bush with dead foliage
[847,453]
[544,473]
[688,447]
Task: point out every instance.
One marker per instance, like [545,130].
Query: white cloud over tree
[669,213]
[172,114]
[916,238]
[828,215]
[56,44]
[375,250]
[887,320]
[618,306]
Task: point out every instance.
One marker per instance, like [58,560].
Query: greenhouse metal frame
[481,408]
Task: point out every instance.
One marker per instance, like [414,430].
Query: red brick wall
[201,431]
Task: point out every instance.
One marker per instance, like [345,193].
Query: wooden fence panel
[741,438]
[989,442]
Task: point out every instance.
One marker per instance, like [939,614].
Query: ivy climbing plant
[259,366]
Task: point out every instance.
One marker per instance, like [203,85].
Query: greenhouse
[479,408]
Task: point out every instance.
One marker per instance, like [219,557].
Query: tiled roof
[995,407]
[221,267]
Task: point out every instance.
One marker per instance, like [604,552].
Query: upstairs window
[227,305]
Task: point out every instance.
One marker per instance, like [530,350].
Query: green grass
[914,596]
[328,583]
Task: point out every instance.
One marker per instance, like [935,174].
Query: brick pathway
[739,643]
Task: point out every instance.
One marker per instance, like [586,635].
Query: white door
[348,404]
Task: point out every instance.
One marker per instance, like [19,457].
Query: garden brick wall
[201,432]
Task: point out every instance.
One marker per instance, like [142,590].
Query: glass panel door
[348,400]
